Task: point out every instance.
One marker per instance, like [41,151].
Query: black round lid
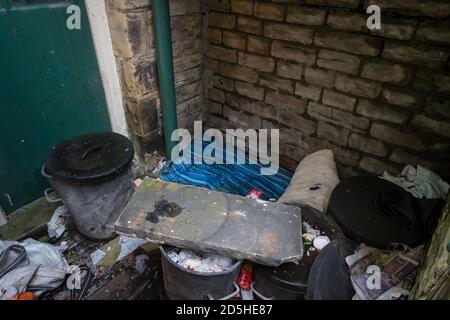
[355,206]
[90,158]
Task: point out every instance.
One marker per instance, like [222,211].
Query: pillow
[313,181]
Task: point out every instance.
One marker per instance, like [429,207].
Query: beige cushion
[316,170]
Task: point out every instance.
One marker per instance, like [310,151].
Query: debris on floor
[159,166]
[321,242]
[310,233]
[316,237]
[136,276]
[383,275]
[30,265]
[261,249]
[245,281]
[57,224]
[116,250]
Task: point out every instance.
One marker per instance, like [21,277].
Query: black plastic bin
[183,284]
[290,281]
[92,175]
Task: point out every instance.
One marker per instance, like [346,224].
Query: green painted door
[50,90]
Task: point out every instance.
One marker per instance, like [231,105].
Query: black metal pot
[92,175]
[183,284]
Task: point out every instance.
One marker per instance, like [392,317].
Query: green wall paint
[50,90]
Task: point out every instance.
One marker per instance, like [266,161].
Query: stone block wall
[379,99]
[130,23]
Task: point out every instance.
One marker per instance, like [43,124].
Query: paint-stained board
[209,221]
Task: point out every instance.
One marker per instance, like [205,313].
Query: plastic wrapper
[44,268]
[208,263]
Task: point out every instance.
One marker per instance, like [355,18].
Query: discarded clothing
[238,179]
[382,275]
[420,182]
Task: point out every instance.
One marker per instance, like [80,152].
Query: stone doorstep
[28,221]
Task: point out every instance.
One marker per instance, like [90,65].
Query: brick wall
[379,99]
[130,23]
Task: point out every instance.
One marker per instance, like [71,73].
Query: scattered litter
[207,263]
[420,182]
[245,281]
[382,275]
[57,224]
[97,256]
[310,233]
[254,194]
[44,268]
[141,263]
[116,250]
[137,183]
[128,245]
[25,296]
[62,247]
[321,242]
[159,166]
[16,282]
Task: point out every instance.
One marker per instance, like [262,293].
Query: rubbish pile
[334,218]
[383,275]
[196,262]
[316,237]
[30,266]
[116,250]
